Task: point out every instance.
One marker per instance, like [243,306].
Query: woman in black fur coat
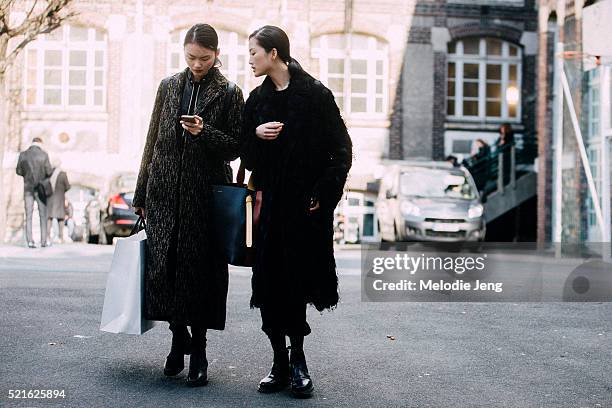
[186,282]
[299,150]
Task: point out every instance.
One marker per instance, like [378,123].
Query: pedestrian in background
[482,150]
[503,146]
[186,281]
[506,136]
[56,202]
[299,150]
[34,166]
[452,160]
[69,211]
[479,163]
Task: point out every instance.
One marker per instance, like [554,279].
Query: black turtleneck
[196,88]
[191,92]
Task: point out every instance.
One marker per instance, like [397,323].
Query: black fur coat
[314,163]
[197,292]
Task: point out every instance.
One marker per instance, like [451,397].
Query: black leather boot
[278,378]
[198,365]
[301,384]
[181,345]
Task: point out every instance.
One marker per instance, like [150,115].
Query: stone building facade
[88,88]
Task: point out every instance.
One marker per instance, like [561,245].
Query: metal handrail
[498,170]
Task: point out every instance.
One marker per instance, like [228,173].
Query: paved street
[440,354]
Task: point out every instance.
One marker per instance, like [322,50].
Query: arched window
[67,69]
[355,68]
[483,80]
[234,56]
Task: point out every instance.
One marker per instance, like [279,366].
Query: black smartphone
[188,118]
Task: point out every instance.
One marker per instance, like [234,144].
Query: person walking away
[34,166]
[56,202]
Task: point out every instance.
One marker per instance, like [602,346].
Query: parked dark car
[112,215]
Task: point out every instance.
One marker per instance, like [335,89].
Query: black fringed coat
[315,160]
[196,292]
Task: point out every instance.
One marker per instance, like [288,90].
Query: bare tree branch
[5,7]
[45,22]
[49,14]
[31,10]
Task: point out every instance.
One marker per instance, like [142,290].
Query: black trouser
[198,333]
[29,198]
[289,320]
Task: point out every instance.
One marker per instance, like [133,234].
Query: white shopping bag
[123,300]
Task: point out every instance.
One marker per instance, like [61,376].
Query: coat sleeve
[140,194]
[251,144]
[48,167]
[328,189]
[224,143]
[19,168]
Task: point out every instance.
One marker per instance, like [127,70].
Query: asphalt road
[360,355]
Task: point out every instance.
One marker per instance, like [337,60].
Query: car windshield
[435,184]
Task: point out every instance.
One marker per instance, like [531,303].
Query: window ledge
[374,122]
[76,115]
[458,124]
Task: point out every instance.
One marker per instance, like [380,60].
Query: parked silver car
[429,201]
[79,196]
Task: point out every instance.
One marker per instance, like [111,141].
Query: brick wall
[544,130]
[462,20]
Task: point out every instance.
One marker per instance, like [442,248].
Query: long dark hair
[270,37]
[506,133]
[205,36]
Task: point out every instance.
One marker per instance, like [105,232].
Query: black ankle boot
[278,378]
[181,345]
[301,384]
[198,365]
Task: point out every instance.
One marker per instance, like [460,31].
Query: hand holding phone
[188,118]
[192,124]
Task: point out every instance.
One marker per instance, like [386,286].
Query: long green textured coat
[196,292]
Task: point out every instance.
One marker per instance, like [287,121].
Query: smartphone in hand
[188,118]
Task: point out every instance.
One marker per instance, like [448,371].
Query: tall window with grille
[484,80]
[234,56]
[66,69]
[593,145]
[355,67]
